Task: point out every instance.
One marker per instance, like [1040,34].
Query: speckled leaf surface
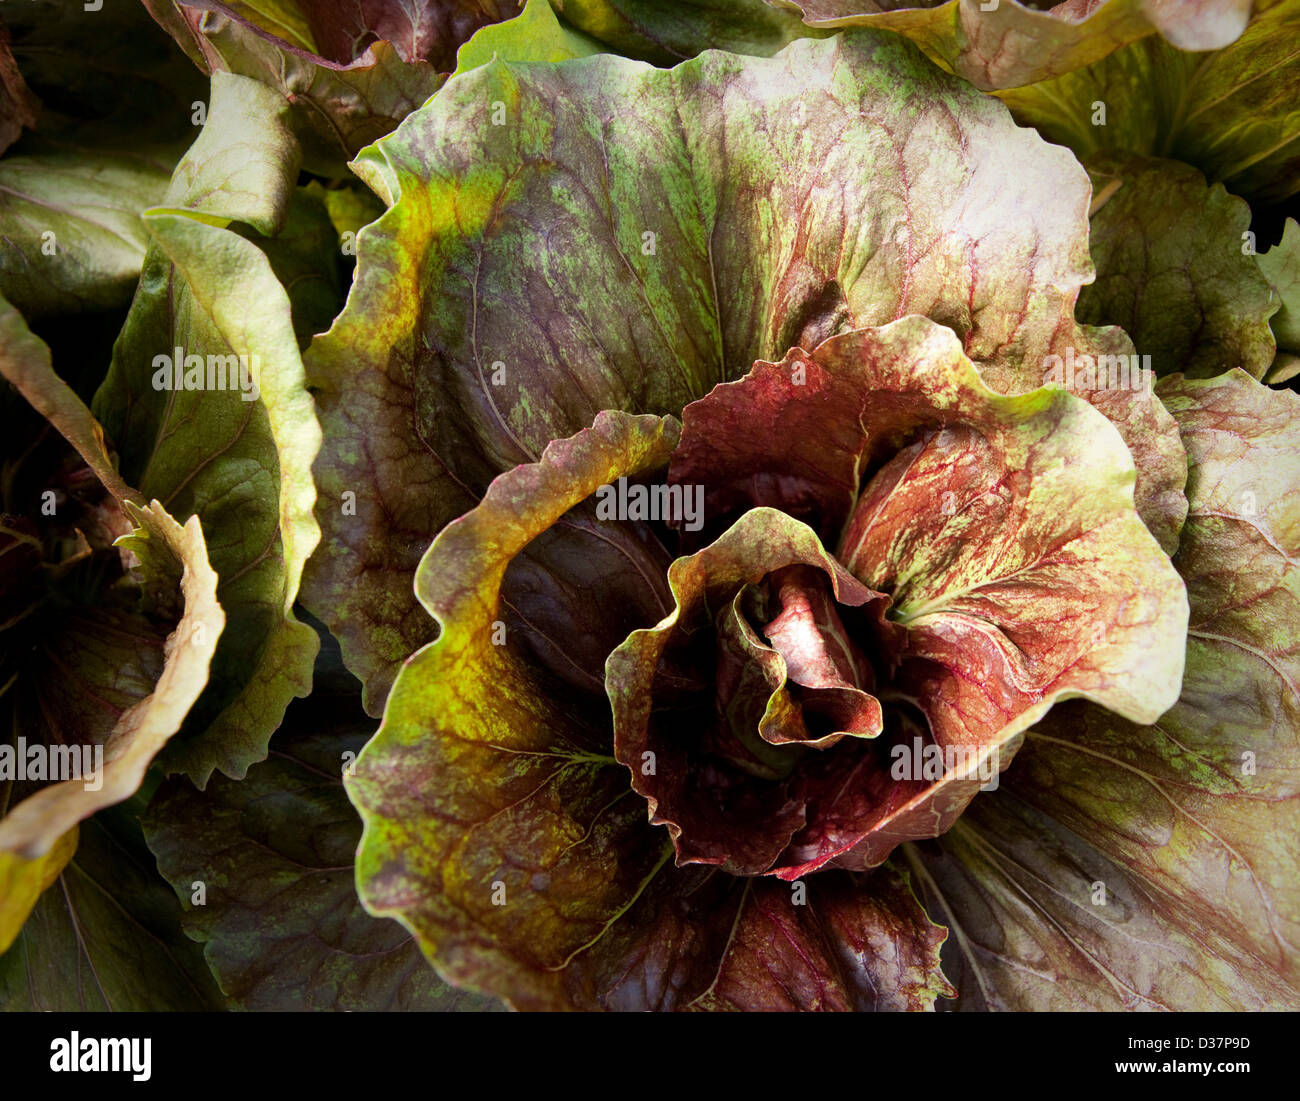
[90,657]
[1153,866]
[545,249]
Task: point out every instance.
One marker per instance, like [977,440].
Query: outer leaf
[281,921]
[354,71]
[115,672]
[1233,114]
[521,776]
[666,33]
[1007,44]
[71,237]
[517,255]
[1191,824]
[106,935]
[1173,270]
[242,466]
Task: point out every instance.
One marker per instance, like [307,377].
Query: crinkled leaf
[1174,270]
[353,71]
[91,667]
[107,934]
[500,831]
[1232,113]
[35,825]
[980,517]
[641,235]
[1127,866]
[1007,44]
[724,797]
[281,921]
[483,773]
[243,466]
[668,32]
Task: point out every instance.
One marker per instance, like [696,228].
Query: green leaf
[1175,270]
[351,207]
[280,920]
[240,456]
[1191,825]
[1007,43]
[666,33]
[107,935]
[513,769]
[1281,267]
[306,257]
[534,35]
[86,658]
[110,101]
[643,237]
[1231,113]
[71,236]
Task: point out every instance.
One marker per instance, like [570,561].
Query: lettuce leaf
[1153,866]
[1176,270]
[1231,113]
[1005,44]
[619,232]
[243,466]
